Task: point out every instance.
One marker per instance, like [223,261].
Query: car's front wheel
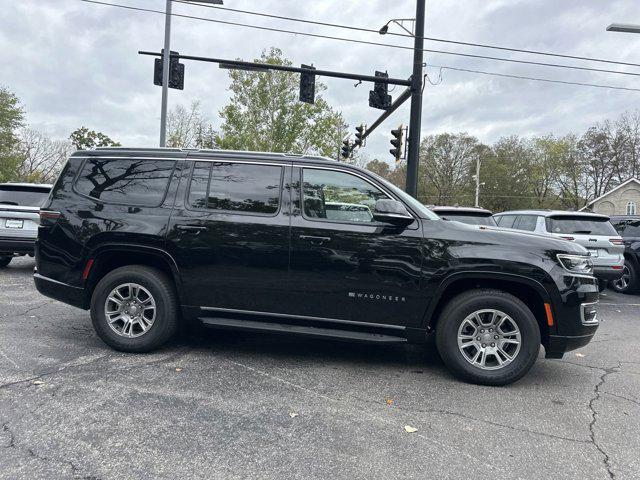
[134,308]
[628,283]
[5,260]
[488,337]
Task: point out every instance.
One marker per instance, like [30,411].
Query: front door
[229,233]
[345,265]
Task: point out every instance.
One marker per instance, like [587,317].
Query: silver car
[591,230]
[19,218]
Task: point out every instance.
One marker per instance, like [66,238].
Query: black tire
[163,291]
[467,303]
[4,261]
[633,285]
[602,285]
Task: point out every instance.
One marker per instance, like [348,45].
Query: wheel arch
[531,292]
[108,257]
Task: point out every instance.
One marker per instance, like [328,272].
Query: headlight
[576,264]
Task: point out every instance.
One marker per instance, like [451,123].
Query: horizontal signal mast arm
[283,68]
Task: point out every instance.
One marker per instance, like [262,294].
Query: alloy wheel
[130,310]
[489,339]
[622,283]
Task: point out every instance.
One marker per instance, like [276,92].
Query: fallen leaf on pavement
[178,369]
[38,382]
[410,429]
[293,414]
[580,355]
[389,401]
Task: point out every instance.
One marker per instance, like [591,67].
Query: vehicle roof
[442,208]
[210,153]
[555,213]
[38,186]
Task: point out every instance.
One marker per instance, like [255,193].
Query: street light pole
[165,75]
[165,68]
[478,181]
[416,103]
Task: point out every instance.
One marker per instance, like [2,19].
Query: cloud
[74,63]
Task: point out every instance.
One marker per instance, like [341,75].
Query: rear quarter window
[140,182]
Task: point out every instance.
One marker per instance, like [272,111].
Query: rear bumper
[13,245]
[60,291]
[608,273]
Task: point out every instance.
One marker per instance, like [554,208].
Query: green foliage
[85,139]
[265,114]
[11,119]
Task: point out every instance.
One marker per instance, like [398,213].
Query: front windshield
[418,207]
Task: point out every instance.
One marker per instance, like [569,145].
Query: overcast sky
[73,63]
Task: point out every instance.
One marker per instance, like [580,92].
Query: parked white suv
[591,230]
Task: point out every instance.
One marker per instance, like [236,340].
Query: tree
[379,168]
[265,115]
[41,158]
[447,161]
[11,119]
[85,139]
[188,128]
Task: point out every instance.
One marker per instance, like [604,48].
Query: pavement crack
[29,310]
[51,373]
[594,417]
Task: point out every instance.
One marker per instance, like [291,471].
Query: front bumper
[11,245]
[574,305]
[60,291]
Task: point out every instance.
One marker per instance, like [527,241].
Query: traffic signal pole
[413,159]
[165,75]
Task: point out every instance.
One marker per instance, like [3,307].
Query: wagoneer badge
[377,296]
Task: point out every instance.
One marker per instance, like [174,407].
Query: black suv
[628,227]
[149,238]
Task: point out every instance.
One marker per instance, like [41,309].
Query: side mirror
[393,212]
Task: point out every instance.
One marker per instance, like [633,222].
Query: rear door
[229,233]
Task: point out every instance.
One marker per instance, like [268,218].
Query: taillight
[617,241]
[571,239]
[49,215]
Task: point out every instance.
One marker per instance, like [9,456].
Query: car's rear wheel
[5,260]
[488,337]
[134,308]
[628,283]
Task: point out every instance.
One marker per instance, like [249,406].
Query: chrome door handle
[314,239]
[192,228]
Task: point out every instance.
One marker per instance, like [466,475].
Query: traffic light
[308,85]
[398,136]
[346,149]
[379,96]
[176,72]
[360,131]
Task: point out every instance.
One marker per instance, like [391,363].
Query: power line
[351,40]
[537,79]
[432,39]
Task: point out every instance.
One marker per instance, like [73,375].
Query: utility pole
[416,102]
[165,75]
[478,181]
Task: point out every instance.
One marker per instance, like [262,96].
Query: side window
[140,182]
[527,222]
[236,187]
[338,196]
[632,228]
[506,221]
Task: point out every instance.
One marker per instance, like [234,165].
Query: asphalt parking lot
[230,405]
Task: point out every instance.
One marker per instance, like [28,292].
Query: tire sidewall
[461,307]
[165,309]
[5,260]
[633,280]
